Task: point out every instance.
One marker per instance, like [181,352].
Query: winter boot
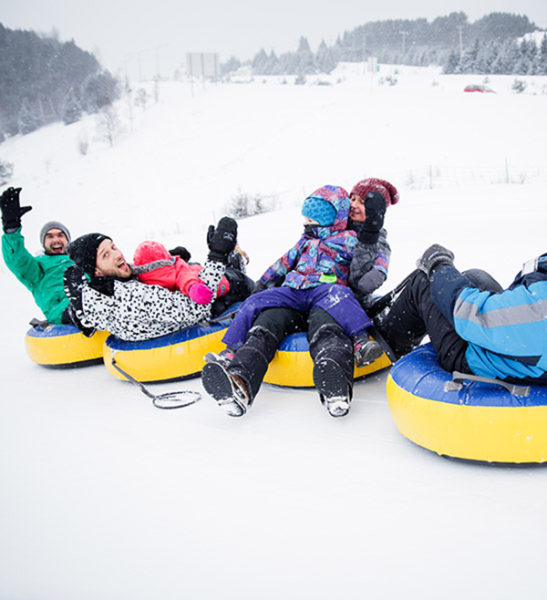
[365,350]
[224,357]
[332,385]
[227,389]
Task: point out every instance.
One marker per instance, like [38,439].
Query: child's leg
[234,386]
[270,328]
[281,297]
[327,339]
[332,354]
[340,303]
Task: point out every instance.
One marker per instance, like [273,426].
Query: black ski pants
[414,315]
[325,338]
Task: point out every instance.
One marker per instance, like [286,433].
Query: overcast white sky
[122,32]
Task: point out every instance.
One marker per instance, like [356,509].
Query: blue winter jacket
[507,332]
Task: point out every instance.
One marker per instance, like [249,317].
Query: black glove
[434,257]
[375,210]
[222,240]
[181,252]
[259,287]
[11,209]
[74,280]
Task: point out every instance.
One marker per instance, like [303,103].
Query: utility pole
[157,50]
[460,30]
[404,34]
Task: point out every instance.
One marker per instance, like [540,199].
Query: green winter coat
[42,275]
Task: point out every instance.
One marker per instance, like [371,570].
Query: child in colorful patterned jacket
[312,278]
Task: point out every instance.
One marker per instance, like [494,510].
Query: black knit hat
[83,251]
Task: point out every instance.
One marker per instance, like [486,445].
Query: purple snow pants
[337,300]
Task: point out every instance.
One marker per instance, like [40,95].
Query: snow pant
[325,337]
[414,314]
[241,287]
[337,300]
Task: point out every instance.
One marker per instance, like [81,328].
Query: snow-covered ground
[105,497]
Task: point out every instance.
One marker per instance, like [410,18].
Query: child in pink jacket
[154,265]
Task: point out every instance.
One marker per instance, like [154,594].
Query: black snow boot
[333,387]
[229,391]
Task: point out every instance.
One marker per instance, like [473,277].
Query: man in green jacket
[43,274]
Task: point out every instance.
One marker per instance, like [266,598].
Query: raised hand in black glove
[222,240]
[375,210]
[435,256]
[12,211]
[181,252]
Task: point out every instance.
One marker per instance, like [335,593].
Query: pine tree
[324,58]
[72,111]
[306,61]
[542,62]
[29,119]
[469,60]
[260,62]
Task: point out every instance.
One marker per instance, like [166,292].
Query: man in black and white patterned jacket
[105,295]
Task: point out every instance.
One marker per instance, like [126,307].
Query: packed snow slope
[105,497]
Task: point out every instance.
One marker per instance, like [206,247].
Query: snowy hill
[105,497]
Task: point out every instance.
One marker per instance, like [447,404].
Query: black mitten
[74,280]
[435,256]
[375,210]
[181,252]
[222,240]
[12,211]
[259,287]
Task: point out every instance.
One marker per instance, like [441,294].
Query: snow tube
[170,357]
[466,419]
[64,346]
[292,365]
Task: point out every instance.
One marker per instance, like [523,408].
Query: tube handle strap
[457,383]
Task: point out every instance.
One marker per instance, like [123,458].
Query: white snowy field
[105,497]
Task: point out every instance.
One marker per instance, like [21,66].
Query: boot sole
[332,386]
[220,386]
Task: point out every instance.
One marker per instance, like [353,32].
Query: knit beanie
[319,210]
[83,251]
[388,190]
[53,225]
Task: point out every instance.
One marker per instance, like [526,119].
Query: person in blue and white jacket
[474,325]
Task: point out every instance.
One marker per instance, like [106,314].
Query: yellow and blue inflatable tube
[64,346]
[480,421]
[170,357]
[292,365]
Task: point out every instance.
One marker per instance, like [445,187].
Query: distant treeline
[410,42]
[43,80]
[504,58]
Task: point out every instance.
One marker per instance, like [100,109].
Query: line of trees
[493,57]
[43,80]
[411,42]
